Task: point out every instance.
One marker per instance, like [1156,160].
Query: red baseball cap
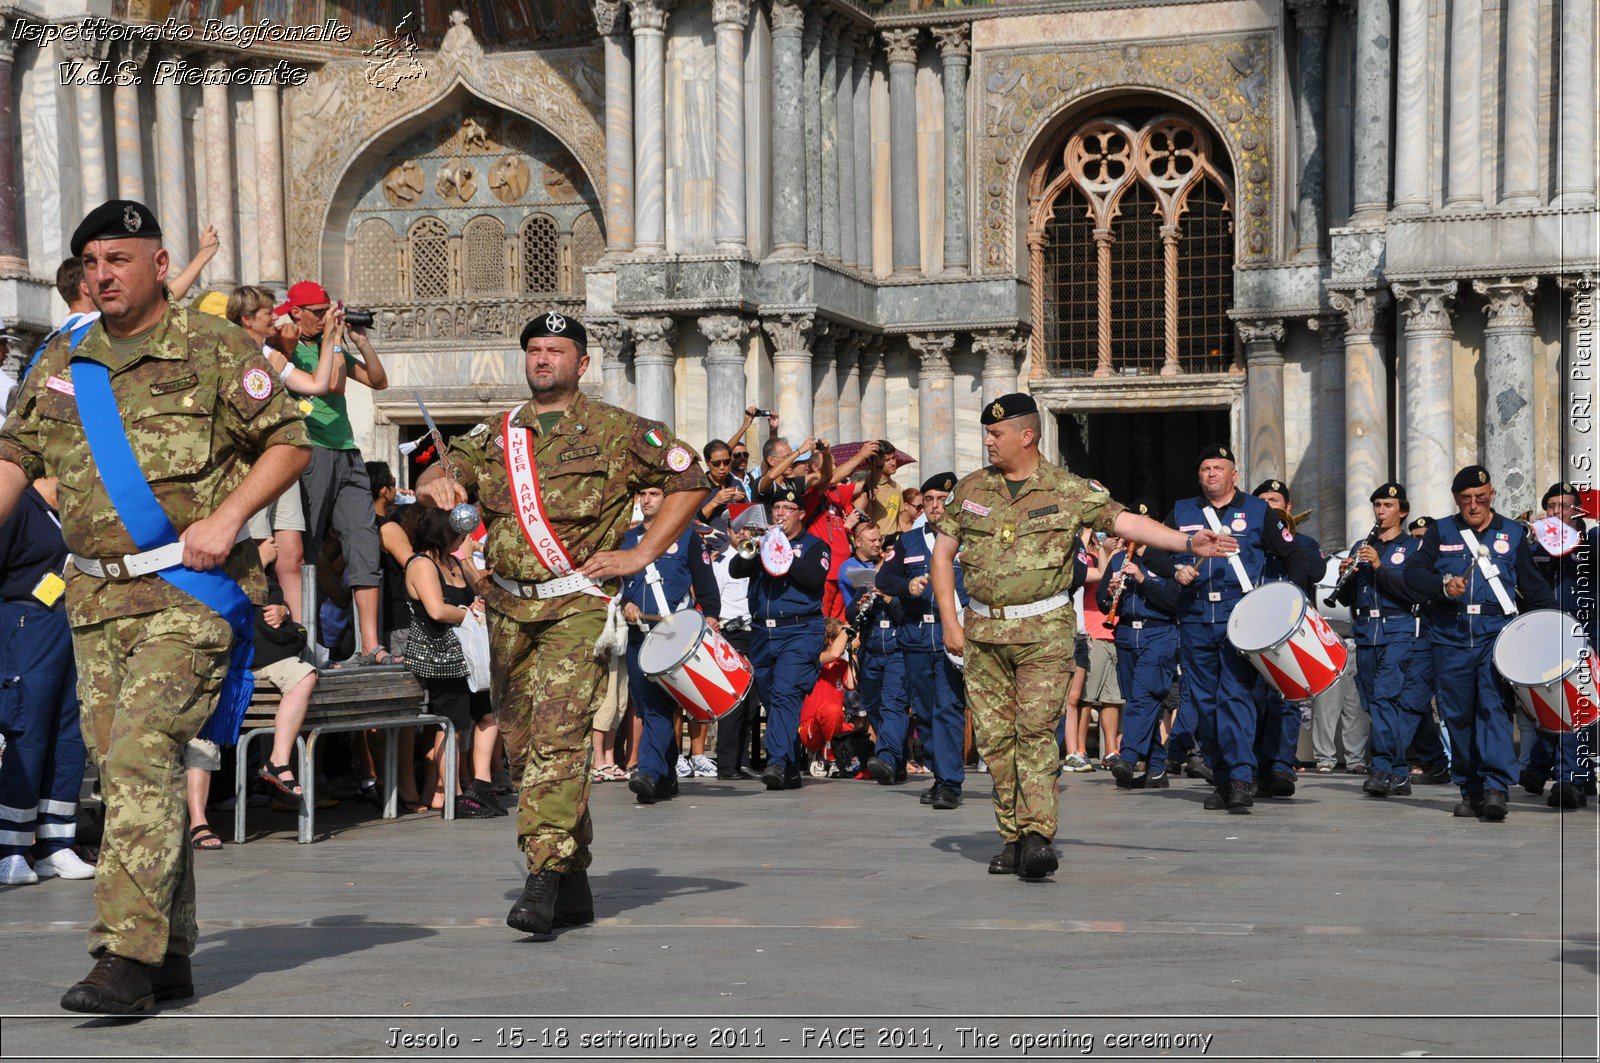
[282,308]
[307,293]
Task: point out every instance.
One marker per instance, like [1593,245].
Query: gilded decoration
[1224,77]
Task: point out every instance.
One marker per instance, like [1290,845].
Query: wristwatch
[1188,543]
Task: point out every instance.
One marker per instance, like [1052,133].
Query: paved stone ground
[848,899]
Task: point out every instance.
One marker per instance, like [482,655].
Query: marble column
[1328,429]
[845,120]
[611,19]
[1430,423]
[12,258]
[1580,452]
[1263,390]
[1519,124]
[1366,404]
[729,17]
[811,102]
[1464,152]
[724,373]
[1577,137]
[269,184]
[906,213]
[825,383]
[649,130]
[829,137]
[1311,33]
[611,336]
[223,271]
[1508,447]
[1000,348]
[128,127]
[874,389]
[92,176]
[1411,124]
[955,47]
[788,131]
[848,348]
[791,371]
[653,363]
[866,218]
[936,402]
[1374,77]
[172,173]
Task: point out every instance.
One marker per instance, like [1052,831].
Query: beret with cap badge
[1419,524]
[115,219]
[557,324]
[1016,404]
[1388,490]
[1216,450]
[1557,490]
[1143,507]
[786,491]
[1468,478]
[944,481]
[1272,485]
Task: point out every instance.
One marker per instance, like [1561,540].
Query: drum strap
[1210,514]
[652,578]
[1490,573]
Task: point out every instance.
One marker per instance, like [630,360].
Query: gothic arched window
[587,247]
[541,255]
[483,256]
[430,259]
[374,262]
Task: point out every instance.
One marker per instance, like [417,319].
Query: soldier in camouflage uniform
[1016,526]
[592,458]
[218,439]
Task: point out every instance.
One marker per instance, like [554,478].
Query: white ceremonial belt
[553,588]
[1019,612]
[132,566]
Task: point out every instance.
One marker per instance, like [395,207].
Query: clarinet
[1116,599]
[1338,588]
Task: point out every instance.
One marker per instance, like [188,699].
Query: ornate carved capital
[1331,328]
[788,16]
[847,44]
[1261,339]
[649,15]
[1310,15]
[847,348]
[1361,308]
[1510,303]
[610,16]
[1426,304]
[1000,349]
[955,42]
[790,333]
[724,331]
[653,338]
[135,52]
[933,349]
[902,44]
[611,336]
[730,12]
[86,48]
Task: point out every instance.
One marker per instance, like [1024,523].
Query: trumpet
[747,548]
[1292,521]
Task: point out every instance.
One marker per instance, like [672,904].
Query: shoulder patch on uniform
[1097,485]
[64,386]
[824,558]
[1288,536]
[1046,511]
[1502,546]
[257,384]
[678,458]
[972,507]
[1398,556]
[1451,547]
[654,437]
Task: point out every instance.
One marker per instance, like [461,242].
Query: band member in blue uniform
[1481,563]
[1142,608]
[881,673]
[1428,747]
[1277,720]
[938,695]
[685,567]
[1218,678]
[786,630]
[1371,580]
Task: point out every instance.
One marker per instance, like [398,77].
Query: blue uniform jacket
[1382,590]
[1477,615]
[1210,598]
[796,593]
[685,566]
[30,545]
[1154,601]
[921,631]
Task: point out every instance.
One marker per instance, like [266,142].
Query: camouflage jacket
[590,466]
[1019,550]
[199,404]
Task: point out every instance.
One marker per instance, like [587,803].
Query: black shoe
[730,776]
[1376,786]
[172,980]
[1564,795]
[1283,784]
[1239,799]
[574,902]
[927,795]
[791,781]
[1005,861]
[1158,781]
[1531,781]
[1262,788]
[1494,806]
[535,910]
[1123,773]
[1217,799]
[1035,858]
[1437,775]
[645,786]
[1468,808]
[1359,769]
[1196,768]
[901,774]
[772,775]
[1400,786]
[880,771]
[945,797]
[667,788]
[482,791]
[116,986]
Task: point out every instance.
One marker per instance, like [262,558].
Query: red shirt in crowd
[825,510]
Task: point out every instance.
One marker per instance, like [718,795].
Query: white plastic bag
[473,635]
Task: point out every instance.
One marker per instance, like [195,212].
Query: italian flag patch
[655,438]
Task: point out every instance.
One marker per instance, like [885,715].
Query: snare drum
[702,671]
[1290,644]
[1547,661]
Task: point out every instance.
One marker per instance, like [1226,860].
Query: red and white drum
[702,671]
[1547,661]
[1290,644]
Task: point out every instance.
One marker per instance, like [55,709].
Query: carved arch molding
[562,91]
[1226,78]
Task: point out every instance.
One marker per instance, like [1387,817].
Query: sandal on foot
[203,837]
[274,775]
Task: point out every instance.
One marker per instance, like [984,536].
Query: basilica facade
[1355,237]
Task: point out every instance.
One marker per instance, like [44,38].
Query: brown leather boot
[116,986]
[172,980]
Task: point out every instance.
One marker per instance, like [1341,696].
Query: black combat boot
[172,980]
[1564,795]
[116,986]
[1494,806]
[574,902]
[535,910]
[1036,860]
[1239,798]
[644,786]
[1376,785]
[1005,861]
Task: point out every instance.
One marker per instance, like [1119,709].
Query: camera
[358,318]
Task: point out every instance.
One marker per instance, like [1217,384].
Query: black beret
[1557,490]
[556,324]
[1468,478]
[115,219]
[1216,450]
[1419,524]
[1272,485]
[1388,490]
[945,481]
[785,491]
[1017,404]
[1143,507]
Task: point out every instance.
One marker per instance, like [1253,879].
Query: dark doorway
[1139,454]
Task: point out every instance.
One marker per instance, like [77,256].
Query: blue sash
[74,335]
[149,527]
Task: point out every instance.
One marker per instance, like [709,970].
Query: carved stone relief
[404,184]
[509,178]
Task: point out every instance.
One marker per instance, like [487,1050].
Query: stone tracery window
[587,246]
[483,256]
[1131,250]
[541,255]
[374,262]
[430,259]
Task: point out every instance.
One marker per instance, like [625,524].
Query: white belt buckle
[997,612]
[1474,610]
[1213,596]
[115,568]
[928,618]
[1375,613]
[1137,625]
[883,623]
[770,623]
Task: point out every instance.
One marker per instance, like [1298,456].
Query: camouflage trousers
[1017,694]
[147,684]
[547,686]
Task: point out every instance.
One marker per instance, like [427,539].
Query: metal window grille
[483,263]
[587,246]
[374,262]
[430,259]
[1205,281]
[1069,287]
[541,255]
[1138,307]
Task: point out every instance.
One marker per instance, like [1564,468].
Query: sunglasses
[717,463]
[315,311]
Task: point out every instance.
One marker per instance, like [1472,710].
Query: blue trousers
[1219,681]
[1474,708]
[883,694]
[1277,730]
[1380,678]
[786,661]
[1181,739]
[1416,704]
[939,703]
[39,713]
[1564,757]
[658,713]
[1145,661]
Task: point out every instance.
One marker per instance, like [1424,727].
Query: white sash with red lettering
[529,506]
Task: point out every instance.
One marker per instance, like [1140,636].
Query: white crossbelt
[1490,572]
[130,566]
[552,588]
[1210,514]
[1019,612]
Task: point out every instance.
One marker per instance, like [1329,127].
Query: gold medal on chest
[1008,534]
